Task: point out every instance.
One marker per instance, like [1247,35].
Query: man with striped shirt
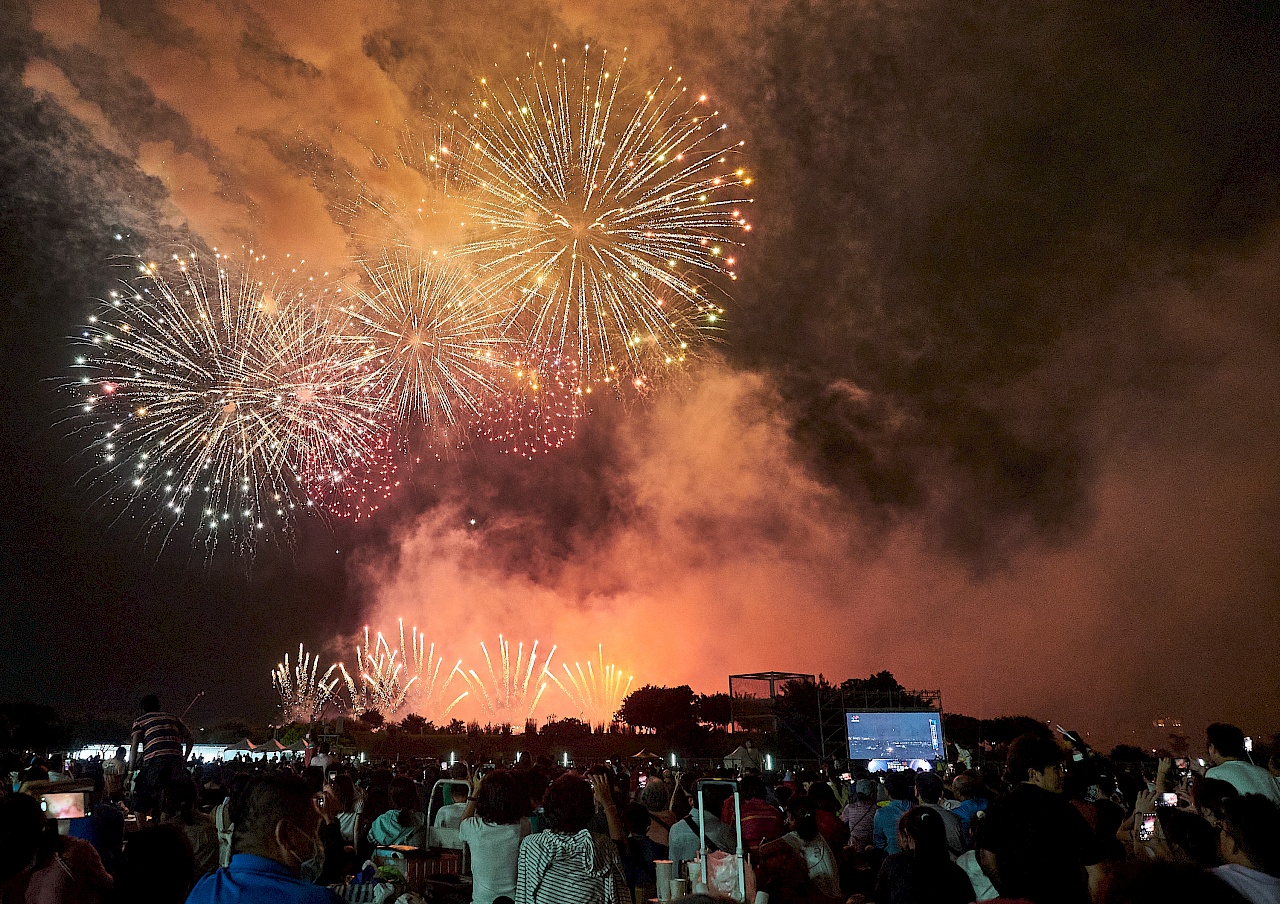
[164,744]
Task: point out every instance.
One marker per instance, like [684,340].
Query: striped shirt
[585,868]
[160,735]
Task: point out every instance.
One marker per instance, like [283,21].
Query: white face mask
[317,849]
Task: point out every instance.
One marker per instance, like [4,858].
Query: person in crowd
[1209,794]
[922,872]
[641,853]
[567,862]
[223,821]
[805,840]
[859,813]
[761,821]
[277,830]
[1035,844]
[684,834]
[654,797]
[157,866]
[343,790]
[1249,844]
[827,808]
[1165,882]
[493,825]
[404,823]
[164,744]
[536,781]
[972,796]
[321,758]
[1227,758]
[377,801]
[902,791]
[37,865]
[178,807]
[929,787]
[450,815]
[113,775]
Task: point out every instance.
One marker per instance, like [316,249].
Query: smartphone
[71,805]
[846,776]
[1182,764]
[1167,799]
[1147,828]
[643,780]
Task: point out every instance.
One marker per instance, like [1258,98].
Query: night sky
[996,405]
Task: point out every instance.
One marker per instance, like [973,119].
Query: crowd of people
[1053,824]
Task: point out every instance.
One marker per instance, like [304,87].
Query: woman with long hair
[922,871]
[404,823]
[804,842]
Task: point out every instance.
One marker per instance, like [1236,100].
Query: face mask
[317,849]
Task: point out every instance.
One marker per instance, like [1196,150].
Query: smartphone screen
[1147,828]
[1168,799]
[64,806]
[644,780]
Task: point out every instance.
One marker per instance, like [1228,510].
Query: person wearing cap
[859,814]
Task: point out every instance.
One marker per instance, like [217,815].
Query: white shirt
[1247,779]
[449,816]
[1258,887]
[495,854]
[684,840]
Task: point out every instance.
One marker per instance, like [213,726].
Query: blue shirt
[884,832]
[257,880]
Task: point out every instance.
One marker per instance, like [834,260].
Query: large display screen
[895,736]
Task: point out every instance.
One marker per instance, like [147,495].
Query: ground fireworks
[303,693]
[208,390]
[428,695]
[597,690]
[428,338]
[379,685]
[608,215]
[512,690]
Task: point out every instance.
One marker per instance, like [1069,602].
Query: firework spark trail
[539,406]
[428,691]
[303,695]
[598,693]
[358,492]
[210,392]
[429,340]
[510,692]
[607,217]
[408,200]
[378,687]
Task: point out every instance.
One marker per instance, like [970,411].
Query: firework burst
[303,694]
[539,405]
[408,199]
[608,215]
[597,690]
[207,391]
[428,694]
[510,692]
[429,340]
